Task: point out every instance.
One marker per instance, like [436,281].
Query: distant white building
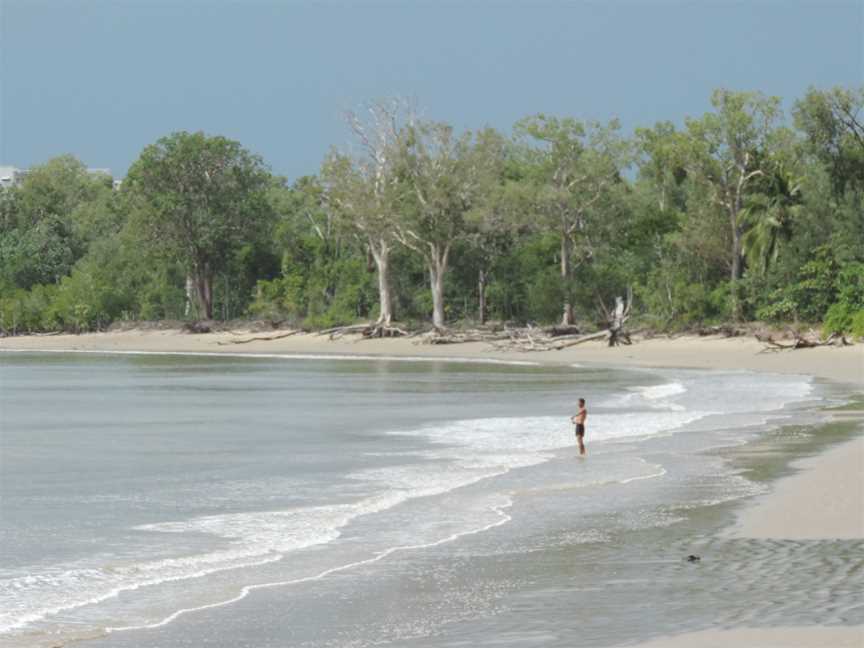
[11,176]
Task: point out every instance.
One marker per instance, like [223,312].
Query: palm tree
[769,218]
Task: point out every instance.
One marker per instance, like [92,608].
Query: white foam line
[116,591]
[246,590]
[574,486]
[660,473]
[284,356]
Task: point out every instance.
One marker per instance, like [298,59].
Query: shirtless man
[579,420]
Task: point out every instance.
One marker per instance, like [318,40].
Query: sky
[101,79]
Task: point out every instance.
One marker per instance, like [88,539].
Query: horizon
[229,69]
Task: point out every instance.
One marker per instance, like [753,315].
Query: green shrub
[672,298]
[857,326]
[841,316]
[816,288]
[781,307]
[850,285]
[838,319]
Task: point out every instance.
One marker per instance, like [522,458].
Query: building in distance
[11,176]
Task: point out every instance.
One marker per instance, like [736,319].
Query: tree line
[741,214]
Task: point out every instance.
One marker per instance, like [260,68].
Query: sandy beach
[822,499]
[813,504]
[766,638]
[845,365]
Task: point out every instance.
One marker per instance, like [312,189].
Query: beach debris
[724,330]
[527,338]
[693,558]
[808,340]
[197,327]
[376,330]
[261,337]
[617,317]
[508,337]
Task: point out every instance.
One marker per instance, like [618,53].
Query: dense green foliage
[742,214]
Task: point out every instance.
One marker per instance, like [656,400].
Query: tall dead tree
[364,188]
[445,174]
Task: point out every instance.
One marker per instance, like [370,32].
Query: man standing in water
[579,420]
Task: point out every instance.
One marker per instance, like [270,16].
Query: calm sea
[180,500]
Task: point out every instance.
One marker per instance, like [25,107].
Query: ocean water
[175,500]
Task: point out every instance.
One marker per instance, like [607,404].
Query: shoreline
[837,364]
[821,499]
[811,503]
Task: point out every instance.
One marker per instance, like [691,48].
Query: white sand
[844,365]
[824,500]
[812,637]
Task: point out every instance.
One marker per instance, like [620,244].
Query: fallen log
[366,330]
[261,338]
[581,339]
[801,342]
[562,331]
[381,331]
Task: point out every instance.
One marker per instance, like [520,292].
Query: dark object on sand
[197,327]
[692,558]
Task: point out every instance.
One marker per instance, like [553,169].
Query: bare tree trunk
[567,318]
[190,294]
[481,290]
[385,316]
[618,317]
[204,289]
[437,283]
[737,264]
[437,268]
[736,251]
[381,255]
[617,324]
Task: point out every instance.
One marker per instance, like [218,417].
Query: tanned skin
[579,420]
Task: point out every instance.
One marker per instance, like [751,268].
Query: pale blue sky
[103,78]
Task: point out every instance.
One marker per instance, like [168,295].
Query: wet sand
[825,500]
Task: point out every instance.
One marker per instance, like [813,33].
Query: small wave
[257,538]
[655,397]
[498,509]
[667,390]
[658,471]
[511,437]
[287,356]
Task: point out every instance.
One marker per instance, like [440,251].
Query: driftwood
[260,338]
[533,339]
[617,317]
[444,336]
[381,331]
[725,330]
[508,338]
[799,341]
[585,338]
[197,327]
[375,330]
[562,331]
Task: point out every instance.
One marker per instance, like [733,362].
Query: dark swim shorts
[580,429]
